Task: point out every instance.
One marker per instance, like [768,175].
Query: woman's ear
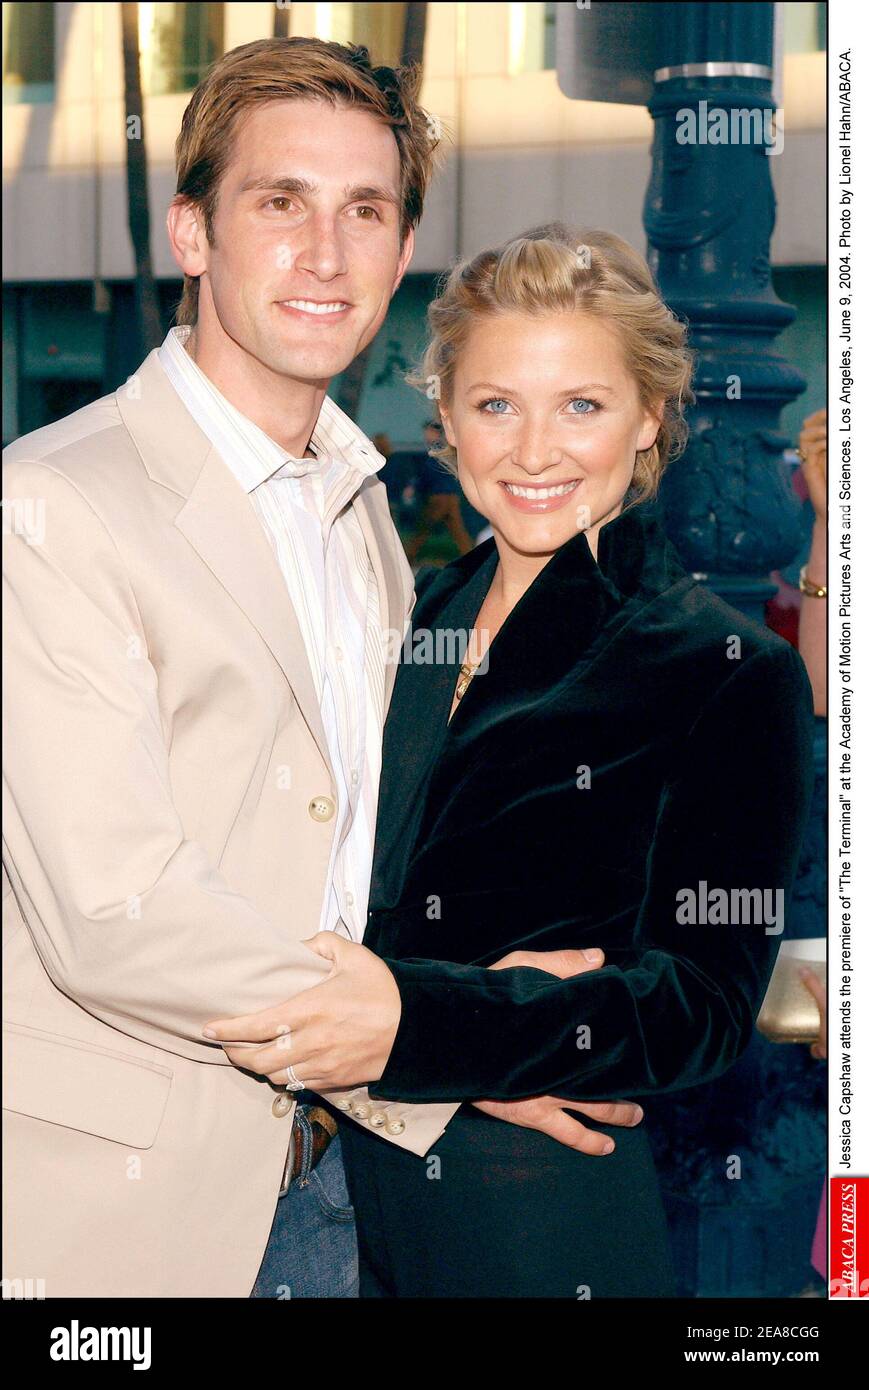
[446,421]
[651,424]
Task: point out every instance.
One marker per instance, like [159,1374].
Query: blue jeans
[311,1250]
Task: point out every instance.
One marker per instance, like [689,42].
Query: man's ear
[404,258]
[187,241]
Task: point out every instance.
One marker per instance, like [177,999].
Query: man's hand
[340,1033]
[337,1034]
[547,1113]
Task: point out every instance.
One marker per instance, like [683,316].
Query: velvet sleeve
[678,1007]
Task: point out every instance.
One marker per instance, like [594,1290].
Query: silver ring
[293,1082]
[720,69]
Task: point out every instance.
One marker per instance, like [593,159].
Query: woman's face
[546,421]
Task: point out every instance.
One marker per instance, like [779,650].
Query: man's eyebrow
[370,193]
[288,183]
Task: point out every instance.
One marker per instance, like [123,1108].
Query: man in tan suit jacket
[158,870]
[169,791]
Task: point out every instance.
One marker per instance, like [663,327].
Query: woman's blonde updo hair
[552,268]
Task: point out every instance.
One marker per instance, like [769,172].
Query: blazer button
[321,808]
[361,1111]
[395,1127]
[281,1105]
[378,1119]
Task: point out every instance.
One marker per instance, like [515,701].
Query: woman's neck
[517,571]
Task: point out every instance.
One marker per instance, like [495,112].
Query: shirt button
[321,808]
[378,1119]
[395,1127]
[354,778]
[350,899]
[339,653]
[342,1103]
[360,1110]
[281,1106]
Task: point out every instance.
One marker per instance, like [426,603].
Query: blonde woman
[618,761]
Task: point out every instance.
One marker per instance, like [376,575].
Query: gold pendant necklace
[466,675]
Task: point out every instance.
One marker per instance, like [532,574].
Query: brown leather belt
[323,1130]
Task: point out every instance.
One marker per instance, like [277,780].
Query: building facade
[517,153]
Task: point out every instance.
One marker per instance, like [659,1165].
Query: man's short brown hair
[305,69]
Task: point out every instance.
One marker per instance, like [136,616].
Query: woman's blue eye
[584,401]
[489,406]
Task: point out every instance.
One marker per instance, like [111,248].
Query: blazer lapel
[553,629]
[417,728]
[219,522]
[550,635]
[221,525]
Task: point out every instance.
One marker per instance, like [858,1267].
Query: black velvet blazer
[695,727]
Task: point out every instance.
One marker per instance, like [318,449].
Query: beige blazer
[168,814]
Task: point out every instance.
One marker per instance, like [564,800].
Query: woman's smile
[539,497]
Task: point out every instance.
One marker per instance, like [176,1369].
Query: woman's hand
[813,448]
[336,1034]
[818,989]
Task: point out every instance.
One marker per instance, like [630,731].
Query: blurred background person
[812,637]
[798,610]
[439,497]
[397,476]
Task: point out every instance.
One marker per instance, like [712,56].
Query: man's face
[307,251]
[433,438]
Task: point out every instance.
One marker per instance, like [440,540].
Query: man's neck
[285,409]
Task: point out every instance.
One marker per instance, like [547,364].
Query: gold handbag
[789,1012]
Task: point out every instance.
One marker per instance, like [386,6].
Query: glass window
[177,44]
[379,27]
[805,27]
[28,53]
[531,38]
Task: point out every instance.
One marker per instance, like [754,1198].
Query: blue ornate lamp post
[729,509]
[705,72]
[709,215]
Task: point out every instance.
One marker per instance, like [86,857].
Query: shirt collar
[252,454]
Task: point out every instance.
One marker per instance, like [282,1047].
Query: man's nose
[320,251]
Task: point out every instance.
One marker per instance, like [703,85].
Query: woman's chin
[535,536]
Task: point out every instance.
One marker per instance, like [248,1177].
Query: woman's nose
[535,455]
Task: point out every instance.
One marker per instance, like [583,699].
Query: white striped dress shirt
[305,508]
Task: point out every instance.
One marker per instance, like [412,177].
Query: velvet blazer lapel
[574,607]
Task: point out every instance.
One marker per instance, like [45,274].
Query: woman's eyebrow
[511,390]
[587,386]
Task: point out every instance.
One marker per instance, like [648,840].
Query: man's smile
[327,310]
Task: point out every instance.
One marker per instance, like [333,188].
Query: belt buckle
[287,1179]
